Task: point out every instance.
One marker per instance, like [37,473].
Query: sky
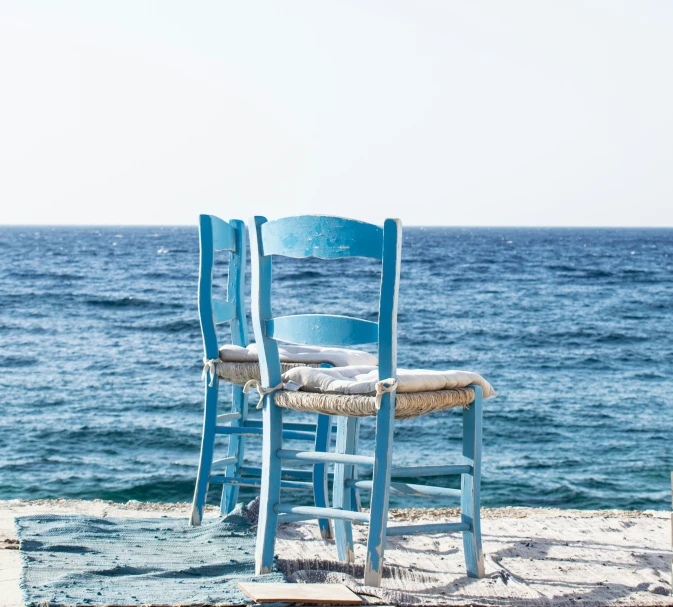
[478,113]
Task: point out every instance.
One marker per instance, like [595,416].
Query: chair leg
[236,449]
[355,493]
[320,491]
[272,440]
[207,448]
[343,496]
[383,451]
[355,503]
[471,485]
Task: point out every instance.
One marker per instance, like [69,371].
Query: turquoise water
[100,358]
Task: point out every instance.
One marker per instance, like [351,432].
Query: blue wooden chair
[329,238]
[218,235]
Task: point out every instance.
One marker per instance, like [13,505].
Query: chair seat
[407,405]
[351,390]
[240,373]
[239,365]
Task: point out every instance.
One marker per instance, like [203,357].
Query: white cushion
[339,357]
[362,379]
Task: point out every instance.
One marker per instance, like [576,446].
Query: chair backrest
[326,238]
[218,235]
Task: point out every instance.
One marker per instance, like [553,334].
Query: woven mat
[87,560]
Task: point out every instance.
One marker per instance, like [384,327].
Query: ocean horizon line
[405,225]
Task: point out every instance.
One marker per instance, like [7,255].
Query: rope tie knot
[257,385]
[383,386]
[210,368]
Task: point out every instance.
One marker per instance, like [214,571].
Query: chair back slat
[236,285]
[223,311]
[322,330]
[322,237]
[216,234]
[224,235]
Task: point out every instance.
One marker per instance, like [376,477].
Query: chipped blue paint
[321,236]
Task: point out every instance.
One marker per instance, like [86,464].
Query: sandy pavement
[534,556]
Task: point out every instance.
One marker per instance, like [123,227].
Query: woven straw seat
[240,373]
[407,405]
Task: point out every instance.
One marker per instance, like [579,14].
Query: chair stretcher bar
[288,473]
[312,511]
[239,481]
[416,471]
[408,489]
[429,528]
[318,457]
[247,431]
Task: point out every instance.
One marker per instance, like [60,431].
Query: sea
[101,357]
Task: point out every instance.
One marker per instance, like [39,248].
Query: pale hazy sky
[437,112]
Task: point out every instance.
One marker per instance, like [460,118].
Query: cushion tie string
[257,385]
[383,386]
[210,368]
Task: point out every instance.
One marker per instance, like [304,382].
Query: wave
[100,359]
[17,361]
[173,326]
[61,276]
[129,302]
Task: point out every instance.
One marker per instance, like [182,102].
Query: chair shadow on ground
[437,585]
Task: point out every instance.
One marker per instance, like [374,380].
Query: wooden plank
[239,337]
[328,458]
[236,286]
[343,529]
[223,311]
[315,594]
[409,489]
[248,481]
[272,415]
[385,418]
[228,417]
[320,489]
[417,471]
[207,450]
[470,502]
[288,473]
[361,517]
[224,235]
[245,431]
[225,461]
[321,236]
[206,264]
[429,528]
[322,330]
